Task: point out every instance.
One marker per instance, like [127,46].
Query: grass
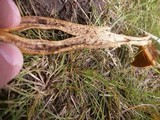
[89,84]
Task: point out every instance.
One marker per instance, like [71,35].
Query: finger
[9,14]
[11,61]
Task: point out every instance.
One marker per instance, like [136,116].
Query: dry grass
[88,84]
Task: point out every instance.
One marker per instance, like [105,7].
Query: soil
[79,11]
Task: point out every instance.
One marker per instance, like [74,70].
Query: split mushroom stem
[85,37]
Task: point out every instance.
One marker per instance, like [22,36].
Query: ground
[86,84]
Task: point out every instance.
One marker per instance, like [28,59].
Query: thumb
[9,14]
[11,58]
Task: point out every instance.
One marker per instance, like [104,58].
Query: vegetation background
[86,84]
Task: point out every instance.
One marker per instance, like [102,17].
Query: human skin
[11,59]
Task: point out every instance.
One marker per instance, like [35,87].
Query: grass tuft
[88,84]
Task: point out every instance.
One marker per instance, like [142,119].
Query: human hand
[11,59]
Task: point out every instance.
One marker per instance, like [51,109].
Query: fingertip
[11,61]
[9,14]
